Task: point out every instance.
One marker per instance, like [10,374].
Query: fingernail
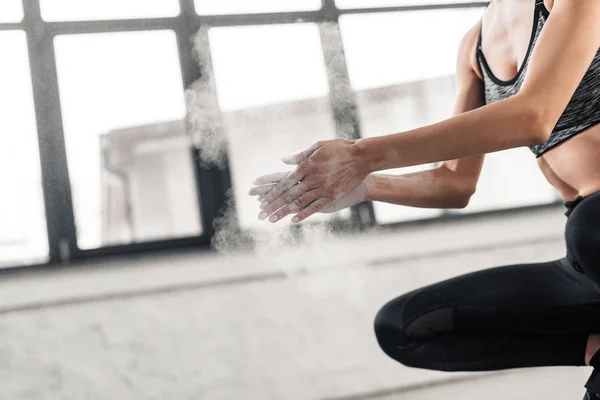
[262,215]
[295,219]
[263,204]
[273,218]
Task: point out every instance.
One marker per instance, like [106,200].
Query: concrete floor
[246,326]
[554,383]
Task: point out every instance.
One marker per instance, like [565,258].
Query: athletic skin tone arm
[450,185]
[562,55]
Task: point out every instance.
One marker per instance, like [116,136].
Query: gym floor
[214,326]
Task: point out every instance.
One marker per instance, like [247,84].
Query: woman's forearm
[506,124]
[434,188]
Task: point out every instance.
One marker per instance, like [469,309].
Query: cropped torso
[575,168]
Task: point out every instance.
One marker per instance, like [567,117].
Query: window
[263,94]
[23,237]
[74,10]
[248,7]
[510,178]
[273,92]
[128,154]
[11,11]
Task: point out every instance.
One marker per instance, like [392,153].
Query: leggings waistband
[570,205]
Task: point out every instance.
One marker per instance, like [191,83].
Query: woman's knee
[390,333]
[398,342]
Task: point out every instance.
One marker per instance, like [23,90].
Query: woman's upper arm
[563,53]
[470,95]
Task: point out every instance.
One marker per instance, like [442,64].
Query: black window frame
[212,183]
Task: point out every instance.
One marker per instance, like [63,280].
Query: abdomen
[573,166]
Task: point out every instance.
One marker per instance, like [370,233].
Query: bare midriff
[573,166]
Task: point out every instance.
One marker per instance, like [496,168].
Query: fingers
[315,207]
[295,206]
[283,200]
[271,178]
[303,155]
[285,185]
[261,190]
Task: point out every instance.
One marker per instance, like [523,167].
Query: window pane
[248,7]
[23,237]
[419,52]
[74,10]
[11,11]
[392,3]
[275,105]
[129,156]
[510,178]
[414,85]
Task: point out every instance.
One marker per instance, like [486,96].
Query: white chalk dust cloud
[203,120]
[313,254]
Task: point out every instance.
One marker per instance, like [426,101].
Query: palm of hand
[351,198]
[326,172]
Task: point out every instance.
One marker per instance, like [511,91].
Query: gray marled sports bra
[582,112]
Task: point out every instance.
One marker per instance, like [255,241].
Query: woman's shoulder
[467,49]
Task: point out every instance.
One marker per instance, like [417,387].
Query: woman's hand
[351,198]
[355,196]
[325,173]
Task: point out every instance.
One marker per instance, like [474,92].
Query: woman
[528,74]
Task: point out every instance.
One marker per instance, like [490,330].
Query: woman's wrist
[369,156]
[369,185]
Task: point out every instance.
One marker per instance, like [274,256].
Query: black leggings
[513,316]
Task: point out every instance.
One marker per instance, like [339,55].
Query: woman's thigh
[546,297]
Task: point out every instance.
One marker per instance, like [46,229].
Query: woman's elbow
[463,199]
[462,193]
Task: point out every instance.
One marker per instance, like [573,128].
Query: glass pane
[75,10]
[393,3]
[510,178]
[23,237]
[11,10]
[418,54]
[129,156]
[273,106]
[248,7]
